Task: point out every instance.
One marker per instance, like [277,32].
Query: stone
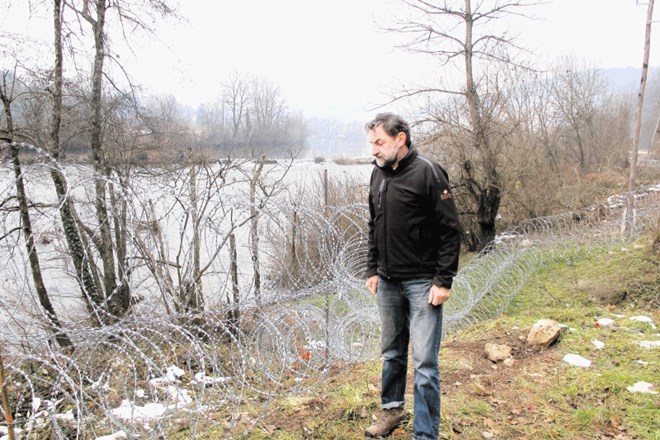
[543,333]
[497,352]
[605,323]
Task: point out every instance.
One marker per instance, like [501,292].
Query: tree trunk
[254,230]
[196,301]
[234,313]
[630,201]
[44,300]
[54,325]
[120,218]
[487,197]
[106,248]
[489,203]
[89,287]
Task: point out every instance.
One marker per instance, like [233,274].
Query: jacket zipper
[384,186]
[380,191]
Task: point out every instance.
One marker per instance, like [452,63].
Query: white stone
[605,323]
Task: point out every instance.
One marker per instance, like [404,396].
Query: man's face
[386,149]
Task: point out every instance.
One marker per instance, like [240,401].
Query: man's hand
[372,284]
[438,295]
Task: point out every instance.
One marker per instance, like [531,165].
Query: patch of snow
[315,345]
[577,361]
[180,396]
[129,411]
[51,404]
[649,344]
[598,344]
[506,236]
[116,436]
[68,416]
[172,375]
[36,403]
[174,372]
[4,432]
[99,383]
[208,380]
[642,387]
[644,319]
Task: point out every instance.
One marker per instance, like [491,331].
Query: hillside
[536,395]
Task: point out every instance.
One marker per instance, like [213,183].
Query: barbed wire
[269,324]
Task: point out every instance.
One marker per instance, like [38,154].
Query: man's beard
[383,163]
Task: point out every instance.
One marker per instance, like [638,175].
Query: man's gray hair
[392,125]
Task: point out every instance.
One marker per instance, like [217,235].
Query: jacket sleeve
[372,249]
[447,228]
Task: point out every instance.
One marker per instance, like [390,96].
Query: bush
[344,161]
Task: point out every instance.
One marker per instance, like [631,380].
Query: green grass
[539,396]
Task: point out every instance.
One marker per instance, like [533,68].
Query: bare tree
[96,18]
[7,83]
[236,99]
[581,100]
[465,116]
[543,146]
[212,119]
[108,235]
[78,248]
[268,114]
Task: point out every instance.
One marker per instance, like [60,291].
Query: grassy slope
[539,396]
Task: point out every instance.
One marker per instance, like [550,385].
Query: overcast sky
[330,58]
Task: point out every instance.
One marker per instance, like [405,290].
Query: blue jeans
[407,317]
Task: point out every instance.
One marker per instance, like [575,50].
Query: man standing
[414,243]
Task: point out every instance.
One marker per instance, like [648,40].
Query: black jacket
[413,226]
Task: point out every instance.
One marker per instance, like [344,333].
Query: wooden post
[327,295]
[629,219]
[9,419]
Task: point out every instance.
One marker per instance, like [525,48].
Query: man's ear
[401,137]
